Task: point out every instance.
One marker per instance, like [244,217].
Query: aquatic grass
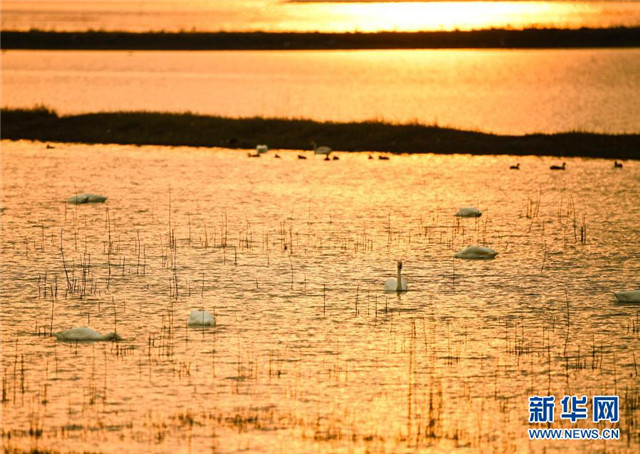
[423,358]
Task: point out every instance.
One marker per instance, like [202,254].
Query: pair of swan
[84,334]
[86,198]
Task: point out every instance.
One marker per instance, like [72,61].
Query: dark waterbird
[562,167]
[515,167]
[617,165]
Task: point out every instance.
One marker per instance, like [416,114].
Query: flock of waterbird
[326,152]
[322,150]
[398,284]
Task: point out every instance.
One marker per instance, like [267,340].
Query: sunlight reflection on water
[276,15]
[309,353]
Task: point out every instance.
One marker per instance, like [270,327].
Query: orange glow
[411,16]
[278,15]
[442,16]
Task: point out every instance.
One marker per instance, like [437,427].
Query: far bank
[186,129]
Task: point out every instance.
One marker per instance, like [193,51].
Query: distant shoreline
[477,39]
[171,129]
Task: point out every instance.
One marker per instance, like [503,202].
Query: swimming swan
[260,149]
[476,253]
[201,318]
[469,212]
[396,285]
[87,198]
[628,297]
[85,334]
[321,150]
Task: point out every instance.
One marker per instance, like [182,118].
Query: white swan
[396,285]
[469,212]
[628,297]
[85,334]
[260,149]
[87,198]
[201,318]
[320,150]
[476,253]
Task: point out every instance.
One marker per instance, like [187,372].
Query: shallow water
[282,15]
[309,354]
[500,91]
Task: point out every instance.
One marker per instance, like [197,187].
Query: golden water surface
[500,91]
[291,255]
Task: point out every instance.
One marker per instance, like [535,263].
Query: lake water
[309,354]
[330,16]
[502,91]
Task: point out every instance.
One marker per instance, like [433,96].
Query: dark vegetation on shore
[174,129]
[492,38]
